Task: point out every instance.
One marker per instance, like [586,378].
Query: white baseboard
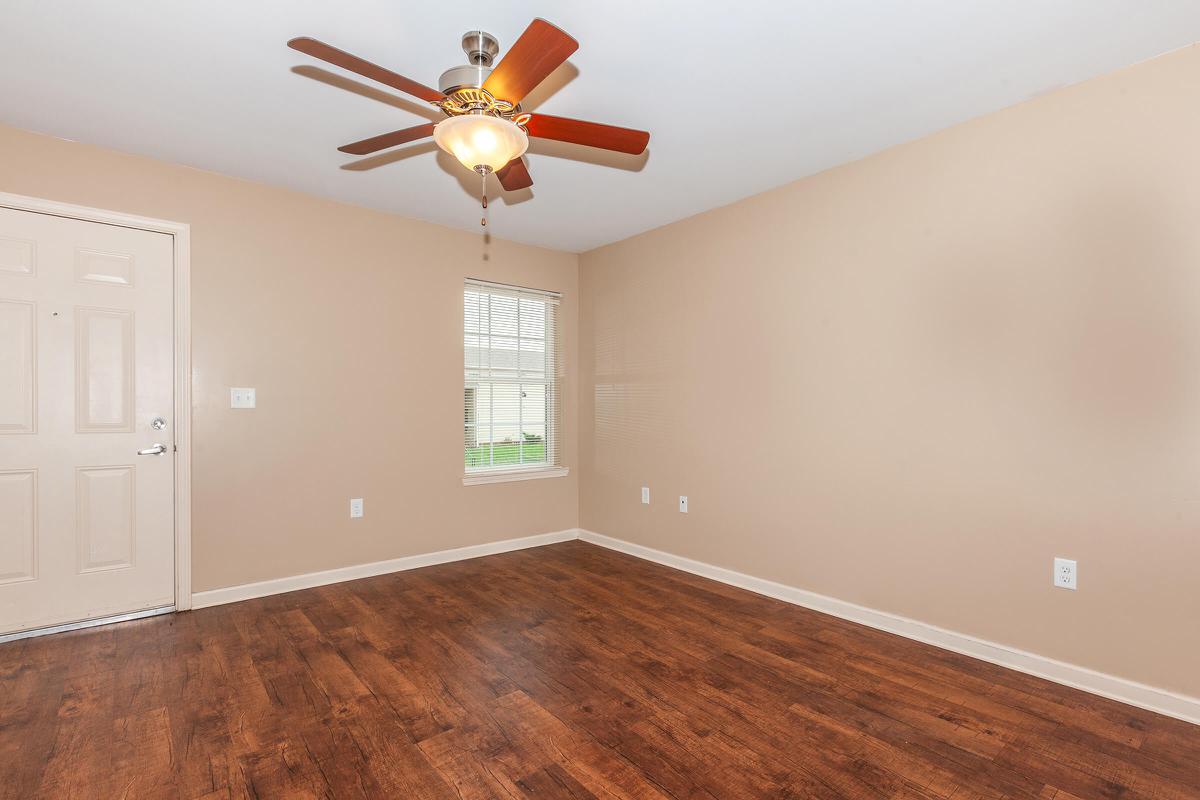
[1112,687]
[1125,691]
[248,591]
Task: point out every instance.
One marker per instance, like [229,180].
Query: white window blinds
[513,368]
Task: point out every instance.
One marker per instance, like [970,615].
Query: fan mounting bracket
[481,48]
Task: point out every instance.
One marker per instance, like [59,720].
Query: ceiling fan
[485,127]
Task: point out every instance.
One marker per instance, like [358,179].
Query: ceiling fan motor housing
[465,76]
[481,49]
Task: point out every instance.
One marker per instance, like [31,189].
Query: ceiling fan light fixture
[485,129]
[481,142]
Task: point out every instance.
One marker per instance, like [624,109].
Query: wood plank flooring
[566,671]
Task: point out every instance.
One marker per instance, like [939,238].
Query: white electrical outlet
[241,398]
[646,495]
[683,504]
[356,508]
[1064,573]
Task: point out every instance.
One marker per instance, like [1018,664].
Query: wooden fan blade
[592,134]
[385,140]
[539,51]
[514,175]
[340,58]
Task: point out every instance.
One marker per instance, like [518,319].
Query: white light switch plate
[241,398]
[356,508]
[646,495]
[683,504]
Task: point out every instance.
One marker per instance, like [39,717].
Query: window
[512,417]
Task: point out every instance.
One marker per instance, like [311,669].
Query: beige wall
[348,322]
[912,381]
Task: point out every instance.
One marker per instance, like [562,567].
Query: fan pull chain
[483,195]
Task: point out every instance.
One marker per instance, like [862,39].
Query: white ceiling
[212,85]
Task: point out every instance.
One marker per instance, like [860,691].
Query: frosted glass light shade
[481,142]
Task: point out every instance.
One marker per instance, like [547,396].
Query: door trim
[181,235]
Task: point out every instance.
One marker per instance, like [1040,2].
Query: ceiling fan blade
[514,175]
[385,140]
[539,51]
[340,58]
[592,134]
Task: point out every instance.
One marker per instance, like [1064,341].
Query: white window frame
[505,473]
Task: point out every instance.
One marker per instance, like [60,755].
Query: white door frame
[181,233]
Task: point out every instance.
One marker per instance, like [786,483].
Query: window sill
[504,476]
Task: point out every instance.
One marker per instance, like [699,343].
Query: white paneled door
[86,401]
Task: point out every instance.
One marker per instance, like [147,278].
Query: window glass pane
[480,456]
[503,315]
[502,357]
[533,318]
[533,443]
[473,351]
[533,405]
[532,358]
[471,312]
[506,413]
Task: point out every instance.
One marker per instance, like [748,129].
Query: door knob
[156,450]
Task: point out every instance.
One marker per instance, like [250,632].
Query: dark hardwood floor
[567,671]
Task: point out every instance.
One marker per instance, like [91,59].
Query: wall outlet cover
[1065,573]
[356,508]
